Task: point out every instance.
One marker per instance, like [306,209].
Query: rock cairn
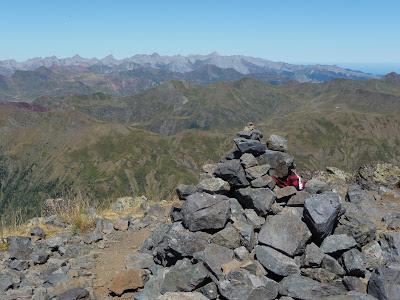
[237,236]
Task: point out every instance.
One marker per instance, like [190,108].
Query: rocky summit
[234,236]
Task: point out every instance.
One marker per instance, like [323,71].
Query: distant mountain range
[76,75]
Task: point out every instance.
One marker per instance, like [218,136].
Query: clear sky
[302,31]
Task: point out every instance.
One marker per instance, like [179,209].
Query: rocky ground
[233,236]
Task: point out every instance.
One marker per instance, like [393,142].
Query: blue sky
[303,31]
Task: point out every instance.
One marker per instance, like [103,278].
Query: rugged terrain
[52,76]
[234,235]
[107,146]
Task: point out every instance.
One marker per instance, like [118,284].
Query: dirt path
[110,260]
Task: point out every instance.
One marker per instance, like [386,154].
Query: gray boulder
[353,263]
[277,143]
[202,211]
[38,232]
[248,160]
[321,213]
[210,290]
[250,146]
[334,244]
[301,287]
[242,285]
[253,218]
[390,243]
[74,294]
[298,199]
[214,257]
[283,194]
[259,199]
[384,283]
[332,265]
[253,134]
[285,232]
[232,172]
[313,256]
[246,232]
[184,277]
[320,274]
[373,255]
[280,162]
[264,181]
[352,283]
[19,247]
[316,186]
[276,262]
[182,296]
[355,223]
[255,172]
[179,243]
[183,191]
[213,186]
[228,237]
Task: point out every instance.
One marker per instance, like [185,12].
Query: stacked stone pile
[237,236]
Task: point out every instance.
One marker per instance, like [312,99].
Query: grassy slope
[342,123]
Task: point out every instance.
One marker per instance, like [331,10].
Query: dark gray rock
[285,232]
[364,202]
[248,160]
[155,237]
[332,265]
[373,255]
[184,277]
[178,243]
[321,212]
[354,284]
[313,256]
[214,257]
[316,186]
[74,294]
[280,162]
[390,244]
[241,253]
[232,172]
[265,181]
[210,290]
[277,143]
[18,265]
[19,247]
[384,283]
[250,134]
[355,223]
[213,186]
[250,146]
[255,172]
[242,285]
[337,243]
[228,237]
[319,274]
[352,295]
[259,199]
[55,221]
[56,241]
[38,232]
[298,199]
[246,232]
[353,263]
[276,262]
[253,218]
[6,281]
[93,237]
[202,211]
[183,191]
[176,214]
[284,194]
[300,287]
